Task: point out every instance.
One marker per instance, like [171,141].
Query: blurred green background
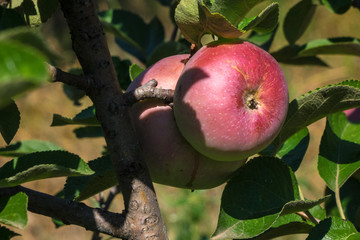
[188,215]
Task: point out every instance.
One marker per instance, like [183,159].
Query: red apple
[170,159]
[231,100]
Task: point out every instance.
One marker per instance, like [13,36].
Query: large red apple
[231,100]
[170,158]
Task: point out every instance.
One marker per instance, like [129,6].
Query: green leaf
[9,121]
[85,117]
[337,6]
[30,37]
[294,149]
[21,68]
[13,210]
[263,40]
[187,18]
[254,198]
[265,22]
[28,7]
[339,155]
[350,201]
[290,55]
[333,228]
[6,234]
[41,165]
[74,94]
[196,18]
[47,8]
[22,148]
[298,19]
[233,11]
[339,45]
[134,71]
[81,188]
[9,18]
[89,132]
[216,23]
[165,50]
[122,72]
[317,104]
[132,33]
[286,225]
[292,224]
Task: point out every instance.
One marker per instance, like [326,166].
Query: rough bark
[70,212]
[143,218]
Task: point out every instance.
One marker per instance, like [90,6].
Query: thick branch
[90,46]
[148,91]
[71,212]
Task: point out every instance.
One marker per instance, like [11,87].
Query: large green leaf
[350,201]
[286,225]
[339,45]
[337,6]
[339,155]
[22,148]
[252,201]
[9,120]
[333,228]
[265,22]
[21,68]
[80,188]
[41,165]
[6,234]
[31,37]
[85,117]
[13,210]
[298,19]
[317,104]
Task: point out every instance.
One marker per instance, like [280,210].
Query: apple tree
[168,116]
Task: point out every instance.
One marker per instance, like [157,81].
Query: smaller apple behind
[170,158]
[231,100]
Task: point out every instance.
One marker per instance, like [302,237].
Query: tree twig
[70,212]
[78,81]
[143,218]
[148,91]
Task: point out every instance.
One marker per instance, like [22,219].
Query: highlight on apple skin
[231,100]
[170,158]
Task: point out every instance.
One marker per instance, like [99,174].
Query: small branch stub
[149,91]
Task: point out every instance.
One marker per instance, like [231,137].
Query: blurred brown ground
[38,106]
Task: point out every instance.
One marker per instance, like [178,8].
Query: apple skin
[231,100]
[170,159]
